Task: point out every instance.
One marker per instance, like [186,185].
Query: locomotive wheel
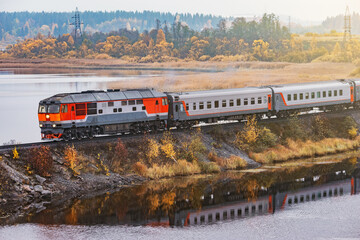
[79,135]
[66,136]
[90,135]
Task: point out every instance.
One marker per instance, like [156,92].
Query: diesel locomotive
[90,113]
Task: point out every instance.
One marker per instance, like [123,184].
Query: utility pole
[347,26]
[77,23]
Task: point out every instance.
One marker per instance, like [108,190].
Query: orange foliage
[40,160]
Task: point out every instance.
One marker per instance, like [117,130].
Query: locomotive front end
[50,120]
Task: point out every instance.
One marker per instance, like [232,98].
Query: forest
[263,40]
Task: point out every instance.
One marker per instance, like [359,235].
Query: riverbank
[29,178]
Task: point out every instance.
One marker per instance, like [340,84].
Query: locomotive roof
[109,95]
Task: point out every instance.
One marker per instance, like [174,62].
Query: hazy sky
[308,10]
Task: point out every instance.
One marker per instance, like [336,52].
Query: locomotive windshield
[49,108]
[53,109]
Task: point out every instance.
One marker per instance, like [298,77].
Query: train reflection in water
[210,200]
[235,208]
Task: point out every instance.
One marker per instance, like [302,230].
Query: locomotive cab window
[64,108]
[53,109]
[164,101]
[42,109]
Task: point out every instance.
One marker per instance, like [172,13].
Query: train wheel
[90,135]
[66,136]
[79,135]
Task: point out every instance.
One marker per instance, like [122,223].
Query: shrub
[140,168]
[167,146]
[152,150]
[353,131]
[121,152]
[71,158]
[209,167]
[248,136]
[183,168]
[40,160]
[15,153]
[265,140]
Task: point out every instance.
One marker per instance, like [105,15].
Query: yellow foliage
[71,158]
[152,150]
[353,132]
[167,146]
[15,153]
[261,49]
[249,134]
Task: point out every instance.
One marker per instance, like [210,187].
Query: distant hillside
[15,25]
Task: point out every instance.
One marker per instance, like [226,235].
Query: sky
[305,10]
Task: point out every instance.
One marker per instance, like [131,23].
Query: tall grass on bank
[181,168]
[302,149]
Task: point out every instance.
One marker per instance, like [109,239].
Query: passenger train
[90,113]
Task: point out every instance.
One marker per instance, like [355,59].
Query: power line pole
[77,23]
[347,26]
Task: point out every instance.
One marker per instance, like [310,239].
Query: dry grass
[254,75]
[181,168]
[233,162]
[300,149]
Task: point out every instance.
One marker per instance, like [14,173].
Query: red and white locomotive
[91,113]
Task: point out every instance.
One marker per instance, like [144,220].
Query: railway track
[110,138]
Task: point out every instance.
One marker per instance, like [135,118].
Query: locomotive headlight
[40,125]
[54,125]
[47,116]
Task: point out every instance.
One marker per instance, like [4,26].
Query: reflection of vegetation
[156,200]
